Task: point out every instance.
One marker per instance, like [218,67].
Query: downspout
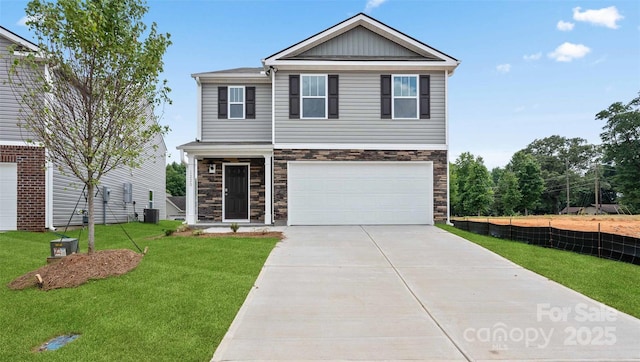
[199,110]
[48,181]
[446,130]
[273,138]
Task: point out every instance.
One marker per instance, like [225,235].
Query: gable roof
[179,202]
[17,39]
[396,49]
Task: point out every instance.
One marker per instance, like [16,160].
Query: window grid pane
[236,102]
[405,96]
[314,98]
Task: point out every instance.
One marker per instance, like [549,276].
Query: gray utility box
[151,216]
[63,247]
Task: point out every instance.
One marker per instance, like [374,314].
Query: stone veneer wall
[210,189]
[281,157]
[31,184]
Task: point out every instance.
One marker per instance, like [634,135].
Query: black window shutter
[425,95]
[222,102]
[250,102]
[385,96]
[294,96]
[333,96]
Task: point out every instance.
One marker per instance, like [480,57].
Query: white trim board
[362,146]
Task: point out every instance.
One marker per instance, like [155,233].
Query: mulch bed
[256,234]
[76,269]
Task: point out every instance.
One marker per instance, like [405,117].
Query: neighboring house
[175,207]
[348,126]
[603,209]
[36,195]
[573,210]
[600,209]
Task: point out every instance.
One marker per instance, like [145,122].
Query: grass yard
[610,282]
[175,306]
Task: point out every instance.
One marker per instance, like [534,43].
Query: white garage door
[353,192]
[8,196]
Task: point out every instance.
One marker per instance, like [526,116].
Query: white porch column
[267,189]
[191,190]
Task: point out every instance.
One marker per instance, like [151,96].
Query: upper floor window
[314,96]
[405,96]
[236,102]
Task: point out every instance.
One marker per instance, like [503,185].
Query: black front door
[236,192]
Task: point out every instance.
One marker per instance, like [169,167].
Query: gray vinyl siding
[9,105]
[360,122]
[359,42]
[236,130]
[151,176]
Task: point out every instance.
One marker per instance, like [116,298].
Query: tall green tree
[474,186]
[508,196]
[559,158]
[454,192]
[93,87]
[530,182]
[176,179]
[621,144]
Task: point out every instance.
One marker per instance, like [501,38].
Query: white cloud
[372,4]
[603,17]
[531,57]
[503,68]
[565,25]
[602,59]
[568,52]
[23,21]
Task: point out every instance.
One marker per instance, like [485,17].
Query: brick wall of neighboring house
[31,184]
[280,158]
[210,189]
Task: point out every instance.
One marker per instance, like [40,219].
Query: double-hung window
[405,97]
[236,102]
[314,96]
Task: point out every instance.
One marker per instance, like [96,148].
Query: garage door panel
[347,193]
[8,196]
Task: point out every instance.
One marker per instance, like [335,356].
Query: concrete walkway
[376,293]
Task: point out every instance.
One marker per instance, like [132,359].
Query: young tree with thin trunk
[93,88]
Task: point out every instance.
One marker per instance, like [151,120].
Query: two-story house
[35,194]
[348,126]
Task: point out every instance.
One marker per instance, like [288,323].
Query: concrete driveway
[414,293]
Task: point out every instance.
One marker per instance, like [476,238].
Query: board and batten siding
[151,176]
[9,104]
[360,42]
[236,130]
[360,121]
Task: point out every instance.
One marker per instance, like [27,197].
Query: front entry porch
[228,183]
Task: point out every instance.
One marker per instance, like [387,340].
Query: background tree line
[536,179]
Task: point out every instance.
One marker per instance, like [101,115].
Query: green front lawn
[610,282]
[175,306]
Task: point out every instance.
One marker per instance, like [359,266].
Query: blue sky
[530,69]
